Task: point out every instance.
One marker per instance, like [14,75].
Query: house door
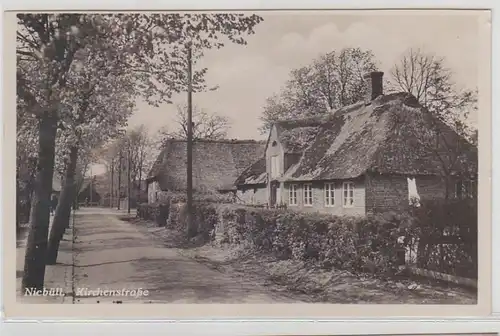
[274,193]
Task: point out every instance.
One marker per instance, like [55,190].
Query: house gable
[274,155]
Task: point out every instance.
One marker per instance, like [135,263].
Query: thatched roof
[391,135]
[216,164]
[295,135]
[255,174]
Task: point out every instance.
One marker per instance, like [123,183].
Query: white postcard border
[316,327]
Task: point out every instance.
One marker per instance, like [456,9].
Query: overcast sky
[247,75]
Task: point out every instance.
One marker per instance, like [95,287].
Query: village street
[103,252]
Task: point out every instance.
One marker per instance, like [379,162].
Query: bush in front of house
[177,213]
[357,244]
[352,243]
[157,212]
[144,211]
[204,216]
[201,197]
[448,236]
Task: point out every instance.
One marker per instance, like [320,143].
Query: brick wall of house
[257,195]
[318,192]
[386,192]
[432,187]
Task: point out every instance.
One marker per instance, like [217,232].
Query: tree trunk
[34,261]
[120,166]
[18,205]
[139,186]
[128,181]
[63,209]
[111,203]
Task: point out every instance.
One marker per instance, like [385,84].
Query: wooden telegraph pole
[90,187]
[120,167]
[128,178]
[189,198]
[112,177]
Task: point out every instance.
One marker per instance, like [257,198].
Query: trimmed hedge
[157,212]
[448,237]
[353,243]
[358,244]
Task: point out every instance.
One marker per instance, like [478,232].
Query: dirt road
[110,254]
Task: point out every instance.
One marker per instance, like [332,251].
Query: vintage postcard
[247,164]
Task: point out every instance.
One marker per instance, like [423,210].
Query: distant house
[362,158]
[216,165]
[56,185]
[89,191]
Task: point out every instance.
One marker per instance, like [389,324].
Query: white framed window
[274,166]
[292,194]
[329,194]
[308,195]
[348,193]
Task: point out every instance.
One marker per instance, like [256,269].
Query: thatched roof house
[386,136]
[91,189]
[216,164]
[389,136]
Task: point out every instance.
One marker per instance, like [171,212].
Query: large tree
[102,98]
[45,51]
[427,77]
[26,159]
[331,81]
[205,125]
[153,46]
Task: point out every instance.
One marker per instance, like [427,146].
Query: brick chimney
[374,85]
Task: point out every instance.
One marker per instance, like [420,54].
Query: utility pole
[128,178]
[112,190]
[90,186]
[189,198]
[120,166]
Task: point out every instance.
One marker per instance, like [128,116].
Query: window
[329,194]
[465,189]
[274,166]
[292,194]
[348,191]
[308,195]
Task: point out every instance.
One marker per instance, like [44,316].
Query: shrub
[358,244]
[177,215]
[447,232]
[203,197]
[157,212]
[145,211]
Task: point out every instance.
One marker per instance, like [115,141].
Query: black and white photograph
[255,157]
